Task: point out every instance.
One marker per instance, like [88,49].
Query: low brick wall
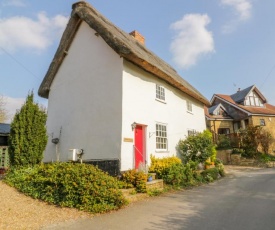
[235,159]
[224,156]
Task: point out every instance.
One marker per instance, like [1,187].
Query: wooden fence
[4,157]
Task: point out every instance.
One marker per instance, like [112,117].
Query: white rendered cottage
[112,97]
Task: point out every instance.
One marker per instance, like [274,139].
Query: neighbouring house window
[262,122]
[189,106]
[160,92]
[191,132]
[223,131]
[161,137]
[253,100]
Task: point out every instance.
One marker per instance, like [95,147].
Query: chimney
[239,89]
[138,37]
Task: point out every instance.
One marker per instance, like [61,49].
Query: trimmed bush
[136,179]
[80,186]
[175,175]
[161,166]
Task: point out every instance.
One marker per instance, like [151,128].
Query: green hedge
[81,186]
[212,174]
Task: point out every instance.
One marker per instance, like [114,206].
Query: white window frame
[161,137]
[189,106]
[160,92]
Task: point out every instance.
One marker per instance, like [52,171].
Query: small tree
[28,136]
[265,139]
[250,140]
[197,148]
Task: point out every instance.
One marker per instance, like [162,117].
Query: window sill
[164,102]
[162,151]
[190,112]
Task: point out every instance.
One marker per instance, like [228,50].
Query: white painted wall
[86,100]
[140,105]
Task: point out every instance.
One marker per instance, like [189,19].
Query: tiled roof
[240,95]
[268,109]
[4,128]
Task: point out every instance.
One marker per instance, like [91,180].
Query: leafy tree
[28,135]
[197,148]
[266,140]
[3,112]
[250,140]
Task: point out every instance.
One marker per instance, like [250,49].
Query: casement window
[223,131]
[160,93]
[189,106]
[262,122]
[161,137]
[191,132]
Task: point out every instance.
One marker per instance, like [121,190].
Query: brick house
[228,113]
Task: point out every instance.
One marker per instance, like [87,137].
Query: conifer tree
[28,135]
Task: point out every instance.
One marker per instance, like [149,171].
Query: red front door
[139,146]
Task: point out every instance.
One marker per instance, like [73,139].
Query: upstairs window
[253,100]
[262,122]
[189,106]
[161,137]
[160,93]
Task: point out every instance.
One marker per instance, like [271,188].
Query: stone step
[155,184]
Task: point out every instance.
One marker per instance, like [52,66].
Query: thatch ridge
[122,43]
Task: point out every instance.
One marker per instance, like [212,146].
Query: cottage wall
[141,106]
[85,101]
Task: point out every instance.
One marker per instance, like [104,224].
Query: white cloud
[16,3]
[242,7]
[192,41]
[243,10]
[23,32]
[12,105]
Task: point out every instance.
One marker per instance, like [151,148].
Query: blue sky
[216,45]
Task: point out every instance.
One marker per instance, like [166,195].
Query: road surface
[245,199]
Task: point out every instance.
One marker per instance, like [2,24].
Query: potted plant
[207,164]
[149,177]
[2,170]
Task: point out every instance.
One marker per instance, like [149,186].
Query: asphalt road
[245,199]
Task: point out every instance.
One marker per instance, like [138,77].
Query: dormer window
[253,100]
[160,92]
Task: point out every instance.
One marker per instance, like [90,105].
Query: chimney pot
[138,37]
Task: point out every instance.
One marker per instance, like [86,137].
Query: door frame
[144,145]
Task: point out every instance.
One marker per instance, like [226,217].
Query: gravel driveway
[21,212]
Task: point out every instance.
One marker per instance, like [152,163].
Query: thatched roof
[122,43]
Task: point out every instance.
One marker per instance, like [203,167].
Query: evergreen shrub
[28,135]
[80,186]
